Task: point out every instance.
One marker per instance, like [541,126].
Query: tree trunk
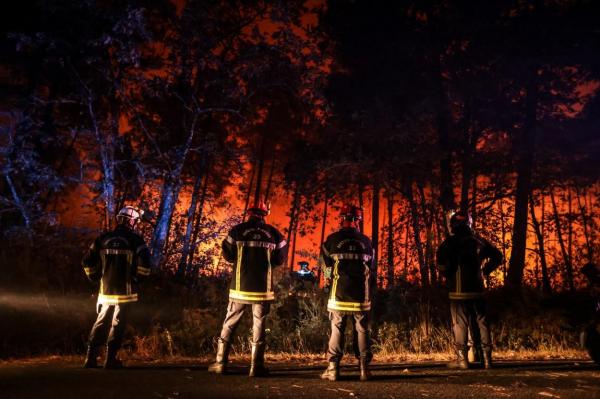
[375,229]
[406,252]
[261,166]
[561,242]
[168,199]
[503,234]
[249,193]
[181,268]
[585,222]
[323,224]
[169,196]
[270,181]
[442,120]
[292,223]
[525,151]
[198,223]
[293,260]
[390,237]
[106,147]
[546,288]
[417,235]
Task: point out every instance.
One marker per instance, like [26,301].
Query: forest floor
[63,378]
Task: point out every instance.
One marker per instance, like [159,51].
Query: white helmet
[129,214]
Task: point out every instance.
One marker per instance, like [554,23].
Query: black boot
[112,362]
[257,366]
[220,364]
[487,359]
[91,358]
[332,373]
[365,373]
[461,361]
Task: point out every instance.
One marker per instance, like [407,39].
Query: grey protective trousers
[111,319]
[361,342]
[470,314]
[235,311]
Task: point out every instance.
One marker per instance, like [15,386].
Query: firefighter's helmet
[129,215]
[458,219]
[352,213]
[260,208]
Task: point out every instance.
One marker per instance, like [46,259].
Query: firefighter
[346,257]
[117,259]
[255,248]
[462,258]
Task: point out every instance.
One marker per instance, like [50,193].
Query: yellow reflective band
[251,296]
[116,299]
[89,270]
[465,295]
[257,244]
[336,276]
[117,252]
[332,304]
[352,256]
[144,271]
[281,244]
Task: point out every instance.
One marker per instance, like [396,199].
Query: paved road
[64,379]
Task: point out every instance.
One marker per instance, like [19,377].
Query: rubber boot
[365,373]
[332,373]
[220,364]
[112,362]
[487,359]
[91,358]
[257,365]
[461,361]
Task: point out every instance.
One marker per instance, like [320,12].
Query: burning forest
[402,122]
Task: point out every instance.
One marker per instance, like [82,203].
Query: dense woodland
[192,110]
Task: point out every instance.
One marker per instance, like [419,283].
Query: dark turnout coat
[347,257]
[117,259]
[463,258]
[255,248]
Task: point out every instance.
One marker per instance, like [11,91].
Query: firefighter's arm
[143,266]
[280,253]
[91,262]
[494,257]
[441,257]
[229,248]
[326,264]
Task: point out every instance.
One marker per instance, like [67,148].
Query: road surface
[65,379]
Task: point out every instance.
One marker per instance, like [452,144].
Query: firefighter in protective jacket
[255,248]
[346,257]
[117,260]
[463,258]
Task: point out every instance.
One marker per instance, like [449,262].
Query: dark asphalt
[60,379]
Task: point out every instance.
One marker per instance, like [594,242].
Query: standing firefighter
[347,257]
[117,260]
[255,248]
[462,258]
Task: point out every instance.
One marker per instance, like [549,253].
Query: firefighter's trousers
[112,319]
[235,311]
[361,342]
[470,313]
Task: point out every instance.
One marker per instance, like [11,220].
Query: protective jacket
[255,248]
[347,258]
[462,258]
[117,259]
